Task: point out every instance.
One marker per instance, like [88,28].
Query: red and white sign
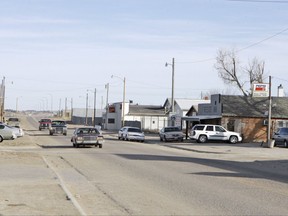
[261,90]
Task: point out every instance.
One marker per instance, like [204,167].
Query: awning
[200,117]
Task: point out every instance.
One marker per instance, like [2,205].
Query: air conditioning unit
[265,122]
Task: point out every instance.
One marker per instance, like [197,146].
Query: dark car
[281,137]
[44,124]
[87,136]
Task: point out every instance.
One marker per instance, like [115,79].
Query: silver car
[171,133]
[87,136]
[281,137]
[6,133]
[131,133]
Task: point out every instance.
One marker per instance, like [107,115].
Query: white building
[149,117]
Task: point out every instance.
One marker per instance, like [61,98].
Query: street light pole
[124,93]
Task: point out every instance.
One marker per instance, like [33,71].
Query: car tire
[1,139]
[165,139]
[202,139]
[100,145]
[233,139]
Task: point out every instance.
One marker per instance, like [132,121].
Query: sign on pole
[260,90]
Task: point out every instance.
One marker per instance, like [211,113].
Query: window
[111,121]
[209,128]
[220,129]
[199,127]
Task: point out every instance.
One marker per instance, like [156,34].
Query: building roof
[185,104]
[149,110]
[233,105]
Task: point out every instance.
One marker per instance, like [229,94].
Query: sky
[57,51]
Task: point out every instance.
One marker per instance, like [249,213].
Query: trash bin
[271,143]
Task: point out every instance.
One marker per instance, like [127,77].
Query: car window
[209,128]
[199,127]
[220,129]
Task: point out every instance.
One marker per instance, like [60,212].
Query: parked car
[18,131]
[202,133]
[171,133]
[14,122]
[87,136]
[44,124]
[281,137]
[58,127]
[6,133]
[131,133]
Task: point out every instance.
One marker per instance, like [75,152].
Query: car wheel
[65,134]
[100,145]
[1,139]
[202,139]
[285,144]
[233,139]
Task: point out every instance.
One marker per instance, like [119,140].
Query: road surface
[48,176]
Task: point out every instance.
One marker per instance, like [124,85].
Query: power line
[259,1]
[239,50]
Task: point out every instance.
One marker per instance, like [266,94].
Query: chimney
[280,92]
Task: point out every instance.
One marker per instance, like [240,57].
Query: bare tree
[230,71]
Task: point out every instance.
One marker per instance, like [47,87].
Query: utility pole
[172,97]
[94,113]
[86,115]
[123,108]
[269,112]
[173,65]
[107,106]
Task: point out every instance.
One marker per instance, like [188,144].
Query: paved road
[49,177]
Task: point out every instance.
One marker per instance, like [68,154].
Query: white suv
[202,133]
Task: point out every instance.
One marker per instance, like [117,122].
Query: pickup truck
[58,127]
[44,124]
[14,122]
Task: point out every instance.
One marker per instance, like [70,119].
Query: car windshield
[87,131]
[283,131]
[58,123]
[134,130]
[171,129]
[13,119]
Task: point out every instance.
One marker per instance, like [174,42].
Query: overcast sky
[56,49]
